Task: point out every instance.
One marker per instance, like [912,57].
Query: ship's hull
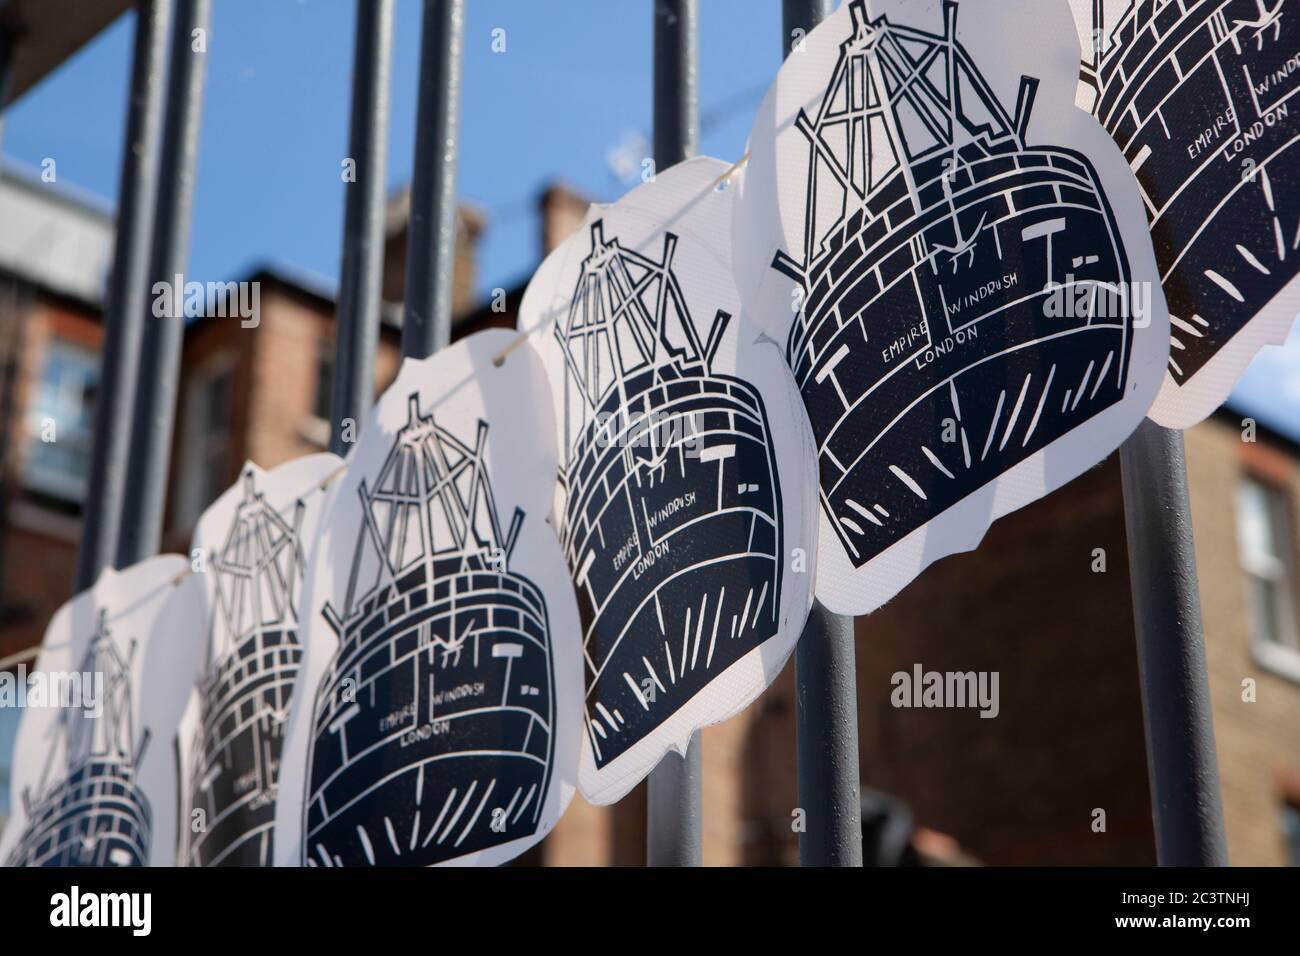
[422,752]
[233,780]
[1201,106]
[955,334]
[97,817]
[677,553]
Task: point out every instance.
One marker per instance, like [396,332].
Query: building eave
[46,33]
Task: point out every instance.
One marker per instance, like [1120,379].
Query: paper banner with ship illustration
[1198,95]
[436,719]
[94,778]
[956,262]
[686,499]
[253,544]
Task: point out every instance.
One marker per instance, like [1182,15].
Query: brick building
[1044,600]
[259,393]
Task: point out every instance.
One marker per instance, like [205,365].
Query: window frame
[1280,655]
[44,481]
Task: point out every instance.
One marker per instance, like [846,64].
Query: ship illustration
[964,292]
[88,809]
[433,730]
[244,694]
[1198,96]
[672,521]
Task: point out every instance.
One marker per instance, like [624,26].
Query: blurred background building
[1058,777]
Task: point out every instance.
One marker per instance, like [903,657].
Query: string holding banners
[1200,96]
[436,716]
[956,262]
[686,502]
[93,779]
[254,541]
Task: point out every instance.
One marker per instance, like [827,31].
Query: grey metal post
[676,82]
[127,295]
[826,730]
[8,317]
[431,254]
[1171,651]
[6,64]
[673,792]
[361,274]
[826,698]
[160,349]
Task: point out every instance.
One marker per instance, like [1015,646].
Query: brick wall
[38,540]
[1018,789]
[1258,742]
[1022,788]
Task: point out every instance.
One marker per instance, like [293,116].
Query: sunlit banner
[94,778]
[686,499]
[956,262]
[1200,97]
[436,715]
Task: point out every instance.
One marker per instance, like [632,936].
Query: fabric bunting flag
[686,495]
[436,714]
[956,262]
[253,543]
[94,781]
[1197,94]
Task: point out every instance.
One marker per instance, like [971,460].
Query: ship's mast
[261,560]
[110,736]
[610,298]
[434,486]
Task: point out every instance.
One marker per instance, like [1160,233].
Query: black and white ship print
[245,692]
[927,351]
[672,521]
[1198,95]
[433,734]
[88,809]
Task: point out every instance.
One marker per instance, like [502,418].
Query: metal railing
[826,686]
[128,296]
[137,399]
[361,274]
[154,407]
[674,789]
[1181,763]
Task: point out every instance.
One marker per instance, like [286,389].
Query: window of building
[9,717]
[1291,833]
[1264,543]
[207,441]
[60,422]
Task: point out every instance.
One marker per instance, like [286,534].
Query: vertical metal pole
[6,62]
[361,282]
[127,295]
[673,791]
[431,254]
[154,410]
[826,700]
[1171,651]
[676,82]
[826,729]
[11,328]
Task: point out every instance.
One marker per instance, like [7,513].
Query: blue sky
[573,85]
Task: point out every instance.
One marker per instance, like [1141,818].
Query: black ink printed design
[1198,97]
[88,809]
[244,695]
[433,734]
[964,292]
[672,522]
